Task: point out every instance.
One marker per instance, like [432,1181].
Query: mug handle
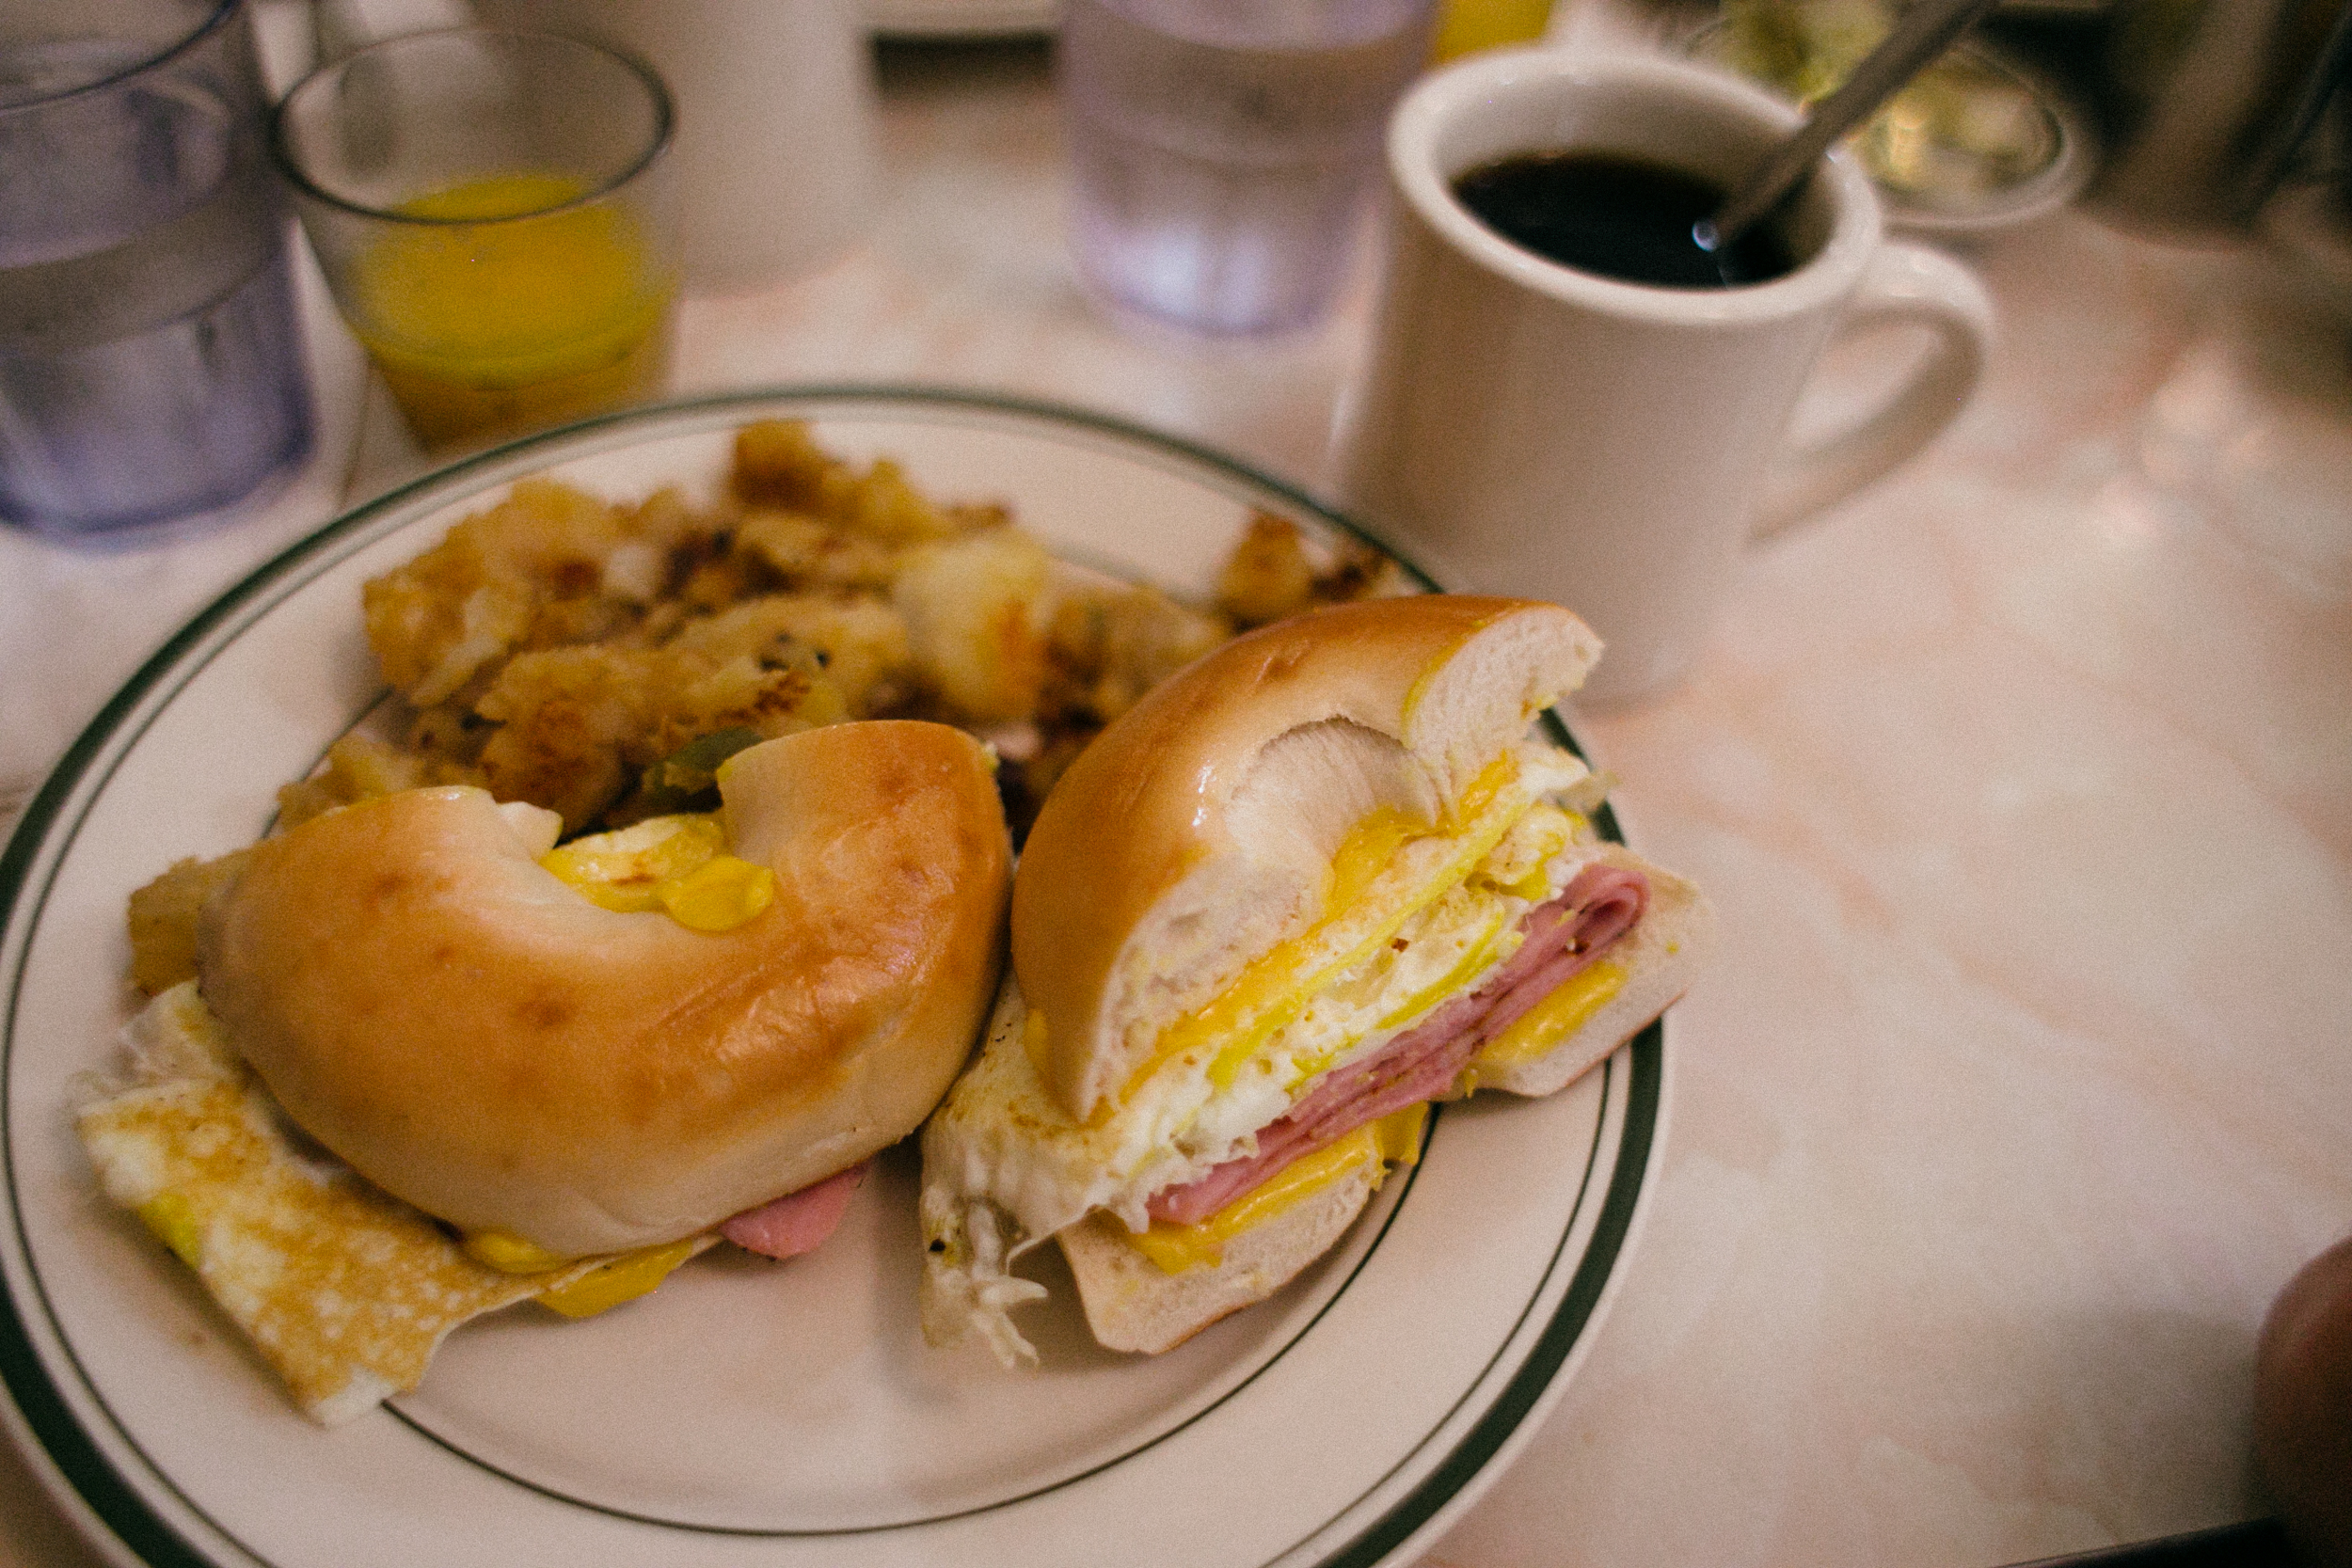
[1904,285]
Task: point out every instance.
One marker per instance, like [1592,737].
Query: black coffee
[1618,216]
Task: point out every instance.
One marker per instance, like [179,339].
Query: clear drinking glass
[150,360]
[495,213]
[1221,150]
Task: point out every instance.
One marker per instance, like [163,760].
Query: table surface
[2022,784]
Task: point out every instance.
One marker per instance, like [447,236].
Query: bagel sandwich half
[432,1064]
[1327,873]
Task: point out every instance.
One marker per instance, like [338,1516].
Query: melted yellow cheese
[1036,1043]
[1276,986]
[620,1278]
[509,1253]
[625,1279]
[172,1218]
[1395,1139]
[675,864]
[718,894]
[1368,847]
[1555,1018]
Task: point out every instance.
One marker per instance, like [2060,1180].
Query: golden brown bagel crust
[1448,679]
[478,1039]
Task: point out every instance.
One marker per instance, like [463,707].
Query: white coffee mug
[1528,428]
[776,152]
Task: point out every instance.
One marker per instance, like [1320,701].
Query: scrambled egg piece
[345,1290]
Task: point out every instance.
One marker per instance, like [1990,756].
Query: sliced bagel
[1133,1303]
[478,1039]
[1659,958]
[1326,873]
[1199,830]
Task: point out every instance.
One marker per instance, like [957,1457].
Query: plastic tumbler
[494,210]
[150,360]
[1222,150]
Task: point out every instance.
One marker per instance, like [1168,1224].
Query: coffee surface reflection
[1626,218]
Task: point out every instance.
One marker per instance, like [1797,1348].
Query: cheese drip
[1552,1020]
[675,863]
[624,1277]
[1393,1140]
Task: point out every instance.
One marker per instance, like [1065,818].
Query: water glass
[151,360]
[1221,151]
[495,213]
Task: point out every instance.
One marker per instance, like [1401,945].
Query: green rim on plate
[93,1489]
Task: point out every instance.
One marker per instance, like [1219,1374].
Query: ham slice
[1599,905]
[797,1222]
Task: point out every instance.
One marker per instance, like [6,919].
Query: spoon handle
[1922,32]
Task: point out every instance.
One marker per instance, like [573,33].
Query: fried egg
[1007,1166]
[345,1290]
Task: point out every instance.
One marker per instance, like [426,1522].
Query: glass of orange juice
[1466,26]
[493,214]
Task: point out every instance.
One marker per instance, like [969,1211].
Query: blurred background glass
[151,362]
[494,212]
[1221,150]
[2208,102]
[1978,140]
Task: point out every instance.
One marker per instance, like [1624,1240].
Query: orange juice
[1467,25]
[513,310]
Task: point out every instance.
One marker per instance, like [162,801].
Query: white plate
[751,1413]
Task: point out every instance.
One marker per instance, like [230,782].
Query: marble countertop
[2022,784]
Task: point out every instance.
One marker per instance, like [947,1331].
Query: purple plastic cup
[150,360]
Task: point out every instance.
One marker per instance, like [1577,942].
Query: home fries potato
[576,680]
[600,657]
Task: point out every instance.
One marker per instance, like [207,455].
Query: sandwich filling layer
[1385,1001]
[1558,941]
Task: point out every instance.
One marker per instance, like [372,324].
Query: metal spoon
[1920,33]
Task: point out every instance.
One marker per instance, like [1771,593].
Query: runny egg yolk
[675,864]
[1276,986]
[1393,1140]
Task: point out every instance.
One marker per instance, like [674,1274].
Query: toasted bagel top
[478,1039]
[1198,830]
